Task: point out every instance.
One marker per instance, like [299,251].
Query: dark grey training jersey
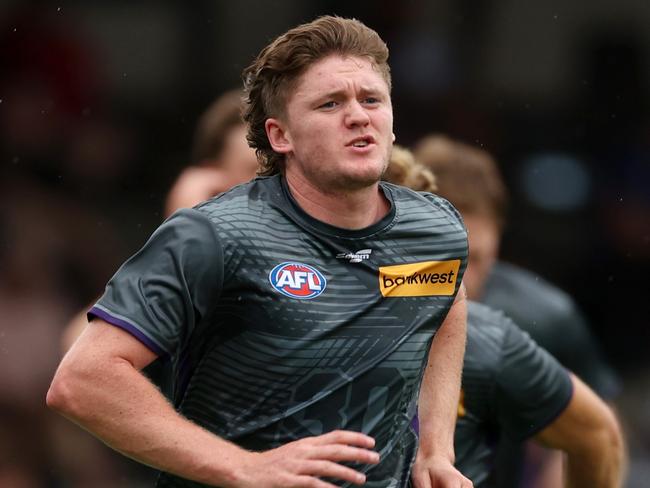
[553,320]
[280,326]
[511,387]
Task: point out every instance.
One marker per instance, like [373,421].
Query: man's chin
[357,182]
[364,177]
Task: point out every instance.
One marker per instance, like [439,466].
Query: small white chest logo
[355,257]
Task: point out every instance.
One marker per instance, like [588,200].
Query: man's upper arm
[586,414]
[103,341]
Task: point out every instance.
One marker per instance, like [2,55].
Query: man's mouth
[362,141]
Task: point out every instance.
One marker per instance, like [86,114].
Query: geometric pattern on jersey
[511,387]
[261,368]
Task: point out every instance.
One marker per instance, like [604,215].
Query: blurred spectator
[54,250]
[222,159]
[220,155]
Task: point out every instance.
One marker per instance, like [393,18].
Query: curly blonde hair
[404,170]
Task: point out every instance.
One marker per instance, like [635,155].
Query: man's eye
[330,104]
[371,100]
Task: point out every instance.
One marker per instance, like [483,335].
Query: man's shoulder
[246,198]
[407,194]
[521,292]
[553,320]
[419,204]
[484,314]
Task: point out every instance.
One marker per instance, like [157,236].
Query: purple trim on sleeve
[124,325]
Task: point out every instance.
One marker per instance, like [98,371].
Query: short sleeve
[532,388]
[168,287]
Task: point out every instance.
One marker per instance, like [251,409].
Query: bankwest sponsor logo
[297,280]
[428,278]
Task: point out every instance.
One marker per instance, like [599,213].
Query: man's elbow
[604,451]
[609,434]
[63,395]
[612,436]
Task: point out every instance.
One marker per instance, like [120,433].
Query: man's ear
[278,136]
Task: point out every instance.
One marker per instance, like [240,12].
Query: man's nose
[356,114]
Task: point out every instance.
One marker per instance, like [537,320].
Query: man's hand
[437,472]
[303,462]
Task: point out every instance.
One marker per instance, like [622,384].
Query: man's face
[338,125]
[483,235]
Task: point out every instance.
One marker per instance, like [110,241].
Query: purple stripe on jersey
[124,325]
[415,423]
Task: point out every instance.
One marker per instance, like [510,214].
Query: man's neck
[345,209]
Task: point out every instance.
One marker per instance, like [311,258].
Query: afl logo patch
[297,280]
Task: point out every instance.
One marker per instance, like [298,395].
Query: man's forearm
[607,474]
[439,394]
[600,466]
[589,433]
[129,414]
[99,386]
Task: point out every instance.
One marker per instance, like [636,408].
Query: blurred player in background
[221,156]
[469,178]
[221,159]
[512,388]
